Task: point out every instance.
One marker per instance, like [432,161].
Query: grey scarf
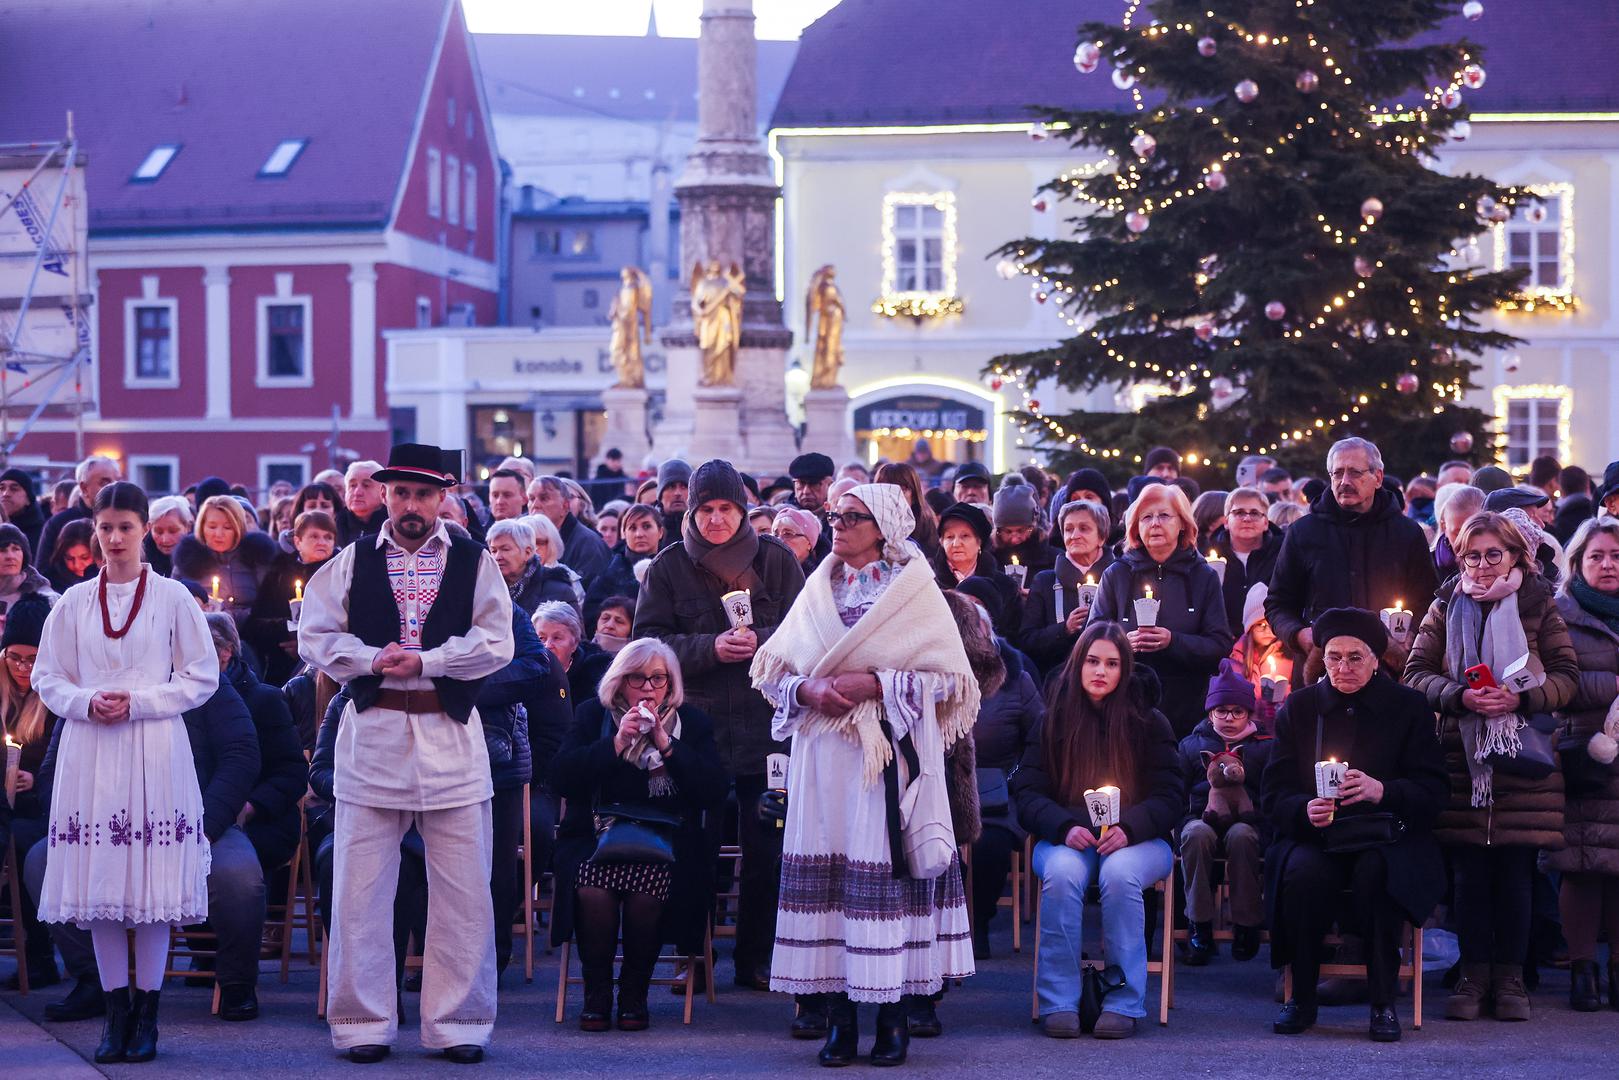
[1498,640]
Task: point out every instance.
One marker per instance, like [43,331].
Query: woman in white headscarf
[869,658]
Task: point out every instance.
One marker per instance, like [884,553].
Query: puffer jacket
[240,571]
[1591,812]
[1525,811]
[1255,752]
[501,702]
[1190,608]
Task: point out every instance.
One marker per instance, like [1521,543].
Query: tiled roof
[227,80]
[915,62]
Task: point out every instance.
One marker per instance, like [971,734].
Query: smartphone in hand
[1479,677]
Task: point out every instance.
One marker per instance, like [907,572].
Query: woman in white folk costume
[122,656]
[868,656]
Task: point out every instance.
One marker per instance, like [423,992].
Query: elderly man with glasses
[1354,549]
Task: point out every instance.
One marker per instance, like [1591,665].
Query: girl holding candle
[1190,634]
[27,724]
[1262,659]
[121,660]
[1100,730]
[1497,609]
[1059,603]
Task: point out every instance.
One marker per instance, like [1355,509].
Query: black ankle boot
[922,1016]
[810,1022]
[842,1032]
[1583,992]
[115,1032]
[632,989]
[142,1044]
[598,1014]
[1201,948]
[893,1034]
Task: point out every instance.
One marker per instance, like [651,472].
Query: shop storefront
[887,426]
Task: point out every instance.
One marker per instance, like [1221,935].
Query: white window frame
[435,183]
[469,196]
[1561,195]
[452,189]
[1562,397]
[261,341]
[945,203]
[136,462]
[267,460]
[133,380]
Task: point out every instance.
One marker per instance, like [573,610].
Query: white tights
[112,954]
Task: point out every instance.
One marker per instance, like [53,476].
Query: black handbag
[631,833]
[1536,759]
[1095,984]
[994,793]
[1357,832]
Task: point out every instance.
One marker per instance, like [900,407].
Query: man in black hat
[972,483]
[411,624]
[812,476]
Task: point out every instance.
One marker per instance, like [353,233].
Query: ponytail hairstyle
[122,495]
[1084,744]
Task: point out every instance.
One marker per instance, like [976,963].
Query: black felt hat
[419,463]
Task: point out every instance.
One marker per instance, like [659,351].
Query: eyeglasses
[1491,557]
[788,534]
[849,519]
[641,682]
[1353,659]
[1157,517]
[18,661]
[1354,476]
[1246,514]
[1228,713]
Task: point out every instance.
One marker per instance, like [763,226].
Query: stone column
[626,422]
[216,335]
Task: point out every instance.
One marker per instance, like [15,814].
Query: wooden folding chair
[284,915]
[10,878]
[1163,967]
[193,944]
[1410,968]
[685,976]
[1013,898]
[527,927]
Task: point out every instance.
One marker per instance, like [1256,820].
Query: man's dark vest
[374,617]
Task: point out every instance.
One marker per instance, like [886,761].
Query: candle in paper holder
[1147,610]
[1103,805]
[1329,779]
[295,606]
[1397,621]
[1087,592]
[776,771]
[1218,564]
[1016,571]
[738,608]
[1271,688]
[13,764]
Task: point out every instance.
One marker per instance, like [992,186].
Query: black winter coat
[1009,620]
[680,605]
[1034,553]
[1333,558]
[31,520]
[500,705]
[1386,731]
[350,528]
[1008,724]
[1240,577]
[1042,637]
[587,773]
[546,583]
[616,579]
[299,692]
[1190,608]
[1153,801]
[283,773]
[46,546]
[583,549]
[266,627]
[1255,752]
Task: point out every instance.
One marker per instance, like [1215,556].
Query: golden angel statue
[825,300]
[631,317]
[716,309]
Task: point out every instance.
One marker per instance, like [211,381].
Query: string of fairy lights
[1125,175]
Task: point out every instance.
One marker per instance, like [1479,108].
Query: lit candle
[1218,564]
[1329,779]
[1271,688]
[216,587]
[13,763]
[295,606]
[1057,598]
[1103,805]
[1147,610]
[1017,571]
[1397,621]
[297,588]
[1087,592]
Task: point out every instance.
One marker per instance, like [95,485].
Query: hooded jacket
[1240,576]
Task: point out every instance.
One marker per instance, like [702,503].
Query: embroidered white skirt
[126,839]
[845,923]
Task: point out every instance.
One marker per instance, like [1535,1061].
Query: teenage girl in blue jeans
[1100,729]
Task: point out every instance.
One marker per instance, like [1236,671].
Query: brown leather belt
[414,702]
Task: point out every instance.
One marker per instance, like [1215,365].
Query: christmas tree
[1263,245]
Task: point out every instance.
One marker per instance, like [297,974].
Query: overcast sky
[676,18]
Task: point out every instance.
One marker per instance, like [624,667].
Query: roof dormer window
[282,157]
[156,161]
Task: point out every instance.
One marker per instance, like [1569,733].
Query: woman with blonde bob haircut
[635,746]
[223,547]
[1183,640]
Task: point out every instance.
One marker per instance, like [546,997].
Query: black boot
[632,988]
[1244,942]
[922,1017]
[1583,994]
[810,1023]
[842,1032]
[116,1030]
[598,1014]
[142,1044]
[83,1002]
[1202,947]
[893,1034]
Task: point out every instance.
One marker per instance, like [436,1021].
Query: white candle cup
[1272,690]
[1397,621]
[1103,804]
[738,608]
[1218,564]
[1329,778]
[296,611]
[1017,572]
[1057,598]
[1147,611]
[1087,595]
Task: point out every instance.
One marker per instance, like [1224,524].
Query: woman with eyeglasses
[27,721]
[1484,620]
[639,746]
[1249,543]
[800,530]
[1184,643]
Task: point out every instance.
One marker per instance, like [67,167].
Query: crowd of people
[1304,704]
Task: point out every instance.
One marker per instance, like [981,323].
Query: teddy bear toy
[1229,801]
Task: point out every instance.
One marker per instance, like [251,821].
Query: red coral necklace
[134,608]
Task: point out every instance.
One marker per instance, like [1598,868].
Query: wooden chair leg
[1166,945]
[1034,988]
[562,980]
[1020,870]
[320,996]
[708,960]
[12,870]
[1416,976]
